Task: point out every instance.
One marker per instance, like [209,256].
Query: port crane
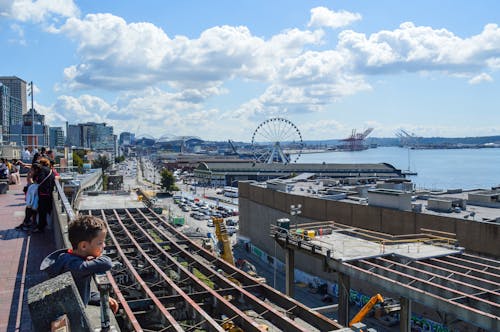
[355,141]
[408,140]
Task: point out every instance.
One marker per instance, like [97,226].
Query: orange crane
[366,309]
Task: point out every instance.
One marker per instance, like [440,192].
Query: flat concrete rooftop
[108,201]
[347,248]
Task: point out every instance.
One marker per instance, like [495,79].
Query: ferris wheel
[273,136]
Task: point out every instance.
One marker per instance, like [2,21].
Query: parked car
[231,222]
[231,230]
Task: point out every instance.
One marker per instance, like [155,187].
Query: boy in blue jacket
[87,235]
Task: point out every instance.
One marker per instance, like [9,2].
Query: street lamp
[295,211]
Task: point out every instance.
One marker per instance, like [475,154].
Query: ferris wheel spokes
[271,137]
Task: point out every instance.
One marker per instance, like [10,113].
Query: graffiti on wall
[418,323]
[421,324]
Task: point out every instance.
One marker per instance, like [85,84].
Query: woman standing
[46,182]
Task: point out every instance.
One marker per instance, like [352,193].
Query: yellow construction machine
[223,243]
[225,251]
[366,309]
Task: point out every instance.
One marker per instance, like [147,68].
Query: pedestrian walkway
[20,257]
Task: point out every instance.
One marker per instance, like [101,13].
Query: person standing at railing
[30,211]
[52,158]
[46,183]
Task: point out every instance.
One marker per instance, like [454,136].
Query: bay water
[436,168]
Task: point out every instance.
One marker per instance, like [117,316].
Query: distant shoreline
[430,147]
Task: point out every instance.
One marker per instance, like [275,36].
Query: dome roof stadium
[146,136]
[168,138]
[145,139]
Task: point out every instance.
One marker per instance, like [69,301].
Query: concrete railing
[91,179]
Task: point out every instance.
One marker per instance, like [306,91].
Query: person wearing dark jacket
[87,235]
[46,182]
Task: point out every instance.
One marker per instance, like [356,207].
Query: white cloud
[324,17]
[85,108]
[39,10]
[324,129]
[19,31]
[418,48]
[115,54]
[483,77]
[52,117]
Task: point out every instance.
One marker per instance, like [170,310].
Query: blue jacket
[32,196]
[61,261]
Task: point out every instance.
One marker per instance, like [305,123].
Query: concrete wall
[259,207]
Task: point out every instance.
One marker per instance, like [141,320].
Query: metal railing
[65,205]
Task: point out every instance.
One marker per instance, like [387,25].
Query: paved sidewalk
[20,257]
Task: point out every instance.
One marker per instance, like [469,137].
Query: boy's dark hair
[84,228]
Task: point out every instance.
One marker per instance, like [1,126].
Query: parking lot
[198,213]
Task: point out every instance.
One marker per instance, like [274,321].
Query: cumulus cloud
[85,108]
[150,111]
[324,17]
[483,77]
[418,48]
[118,55]
[37,11]
[115,54]
[325,129]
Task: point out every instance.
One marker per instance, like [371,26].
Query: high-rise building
[92,135]
[126,138]
[73,135]
[17,88]
[56,137]
[4,113]
[10,113]
[32,131]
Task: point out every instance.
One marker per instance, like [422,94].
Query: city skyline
[217,70]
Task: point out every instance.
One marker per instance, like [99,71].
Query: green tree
[168,180]
[101,162]
[77,161]
[119,159]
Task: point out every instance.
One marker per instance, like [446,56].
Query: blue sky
[216,69]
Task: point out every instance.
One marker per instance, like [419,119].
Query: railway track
[166,282]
